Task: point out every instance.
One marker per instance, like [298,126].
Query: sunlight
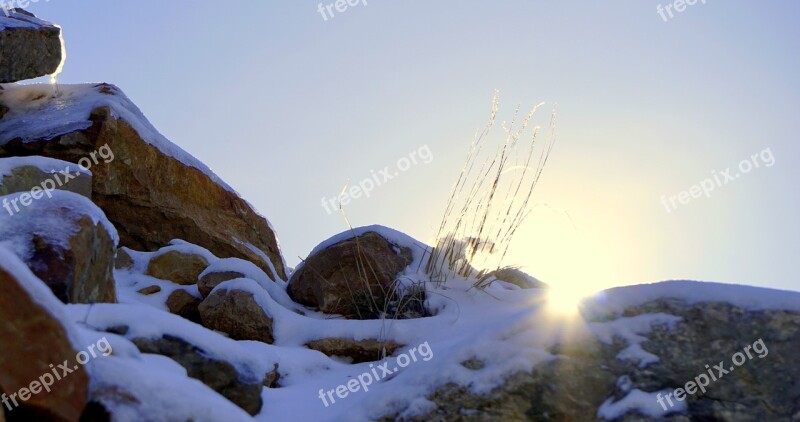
[564,301]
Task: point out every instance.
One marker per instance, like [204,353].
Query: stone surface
[61,243]
[177,267]
[207,283]
[29,47]
[574,386]
[361,351]
[237,314]
[150,290]
[241,389]
[150,196]
[31,339]
[25,177]
[123,260]
[353,278]
[183,304]
[514,276]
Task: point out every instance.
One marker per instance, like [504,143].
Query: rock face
[150,196]
[26,356]
[177,267]
[219,375]
[236,313]
[29,47]
[26,173]
[587,373]
[67,243]
[354,278]
[369,350]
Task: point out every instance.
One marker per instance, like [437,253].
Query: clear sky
[287,107]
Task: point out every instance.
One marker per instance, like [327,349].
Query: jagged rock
[177,267]
[31,339]
[236,313]
[272,378]
[151,290]
[29,47]
[183,304]
[241,389]
[354,277]
[209,281]
[22,174]
[67,242]
[360,351]
[150,190]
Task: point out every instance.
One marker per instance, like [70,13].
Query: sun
[563,301]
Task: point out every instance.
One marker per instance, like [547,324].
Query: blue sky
[287,107]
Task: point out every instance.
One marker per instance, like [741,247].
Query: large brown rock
[177,267]
[236,313]
[209,281]
[354,277]
[67,243]
[183,304]
[360,351]
[31,339]
[150,196]
[29,47]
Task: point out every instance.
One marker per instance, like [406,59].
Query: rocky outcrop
[177,267]
[513,276]
[31,339]
[67,242]
[354,277]
[29,47]
[360,351]
[146,188]
[236,313]
[22,174]
[241,389]
[589,374]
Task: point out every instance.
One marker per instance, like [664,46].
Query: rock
[183,304]
[587,372]
[241,389]
[151,290]
[123,260]
[147,189]
[177,267]
[29,47]
[514,276]
[21,174]
[360,351]
[67,242]
[272,378]
[210,280]
[3,110]
[354,277]
[31,339]
[236,313]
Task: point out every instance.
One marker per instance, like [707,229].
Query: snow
[630,329]
[615,300]
[641,402]
[15,19]
[46,217]
[37,113]
[45,164]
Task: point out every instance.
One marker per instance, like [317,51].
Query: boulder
[237,314]
[243,390]
[513,276]
[358,351]
[22,174]
[354,277]
[29,47]
[178,267]
[183,304]
[210,280]
[31,339]
[67,242]
[150,189]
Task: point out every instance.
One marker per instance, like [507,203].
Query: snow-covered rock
[29,47]
[23,174]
